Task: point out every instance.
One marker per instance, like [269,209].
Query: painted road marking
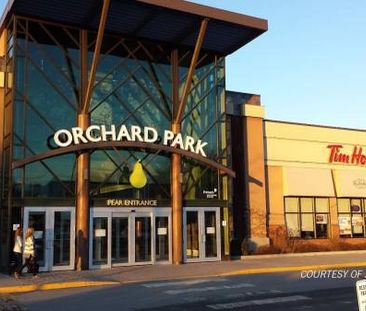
[257,302]
[183,283]
[253,293]
[207,289]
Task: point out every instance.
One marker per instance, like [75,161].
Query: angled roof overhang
[173,22]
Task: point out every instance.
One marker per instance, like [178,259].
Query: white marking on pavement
[258,302]
[207,289]
[179,283]
[194,299]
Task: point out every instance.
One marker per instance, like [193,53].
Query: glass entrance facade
[134,86]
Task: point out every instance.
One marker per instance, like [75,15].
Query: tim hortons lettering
[337,156]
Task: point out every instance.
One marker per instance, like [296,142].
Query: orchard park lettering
[338,155]
[98,133]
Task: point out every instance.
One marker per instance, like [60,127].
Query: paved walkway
[147,273]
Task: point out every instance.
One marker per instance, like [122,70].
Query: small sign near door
[162,231]
[15,226]
[99,233]
[38,234]
[210,230]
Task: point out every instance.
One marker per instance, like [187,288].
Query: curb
[312,254]
[52,286]
[295,268]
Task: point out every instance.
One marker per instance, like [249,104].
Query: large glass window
[351,217]
[46,99]
[133,86]
[307,218]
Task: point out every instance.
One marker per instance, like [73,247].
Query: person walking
[29,253]
[17,250]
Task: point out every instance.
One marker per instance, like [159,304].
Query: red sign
[337,156]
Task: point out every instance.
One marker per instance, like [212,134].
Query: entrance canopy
[173,22]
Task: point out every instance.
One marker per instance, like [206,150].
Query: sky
[310,66]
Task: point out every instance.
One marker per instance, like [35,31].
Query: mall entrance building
[114,139]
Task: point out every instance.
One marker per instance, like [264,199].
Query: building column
[255,177]
[82,202]
[177,203]
[176,172]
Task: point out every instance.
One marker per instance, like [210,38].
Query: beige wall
[301,145]
[275,197]
[256,177]
[289,146]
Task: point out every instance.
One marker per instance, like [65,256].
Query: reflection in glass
[119,239]
[37,221]
[100,240]
[61,243]
[162,238]
[211,234]
[142,239]
[192,235]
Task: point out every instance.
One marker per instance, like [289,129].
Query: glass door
[36,219]
[162,250]
[192,235]
[54,233]
[202,234]
[143,238]
[128,237]
[120,239]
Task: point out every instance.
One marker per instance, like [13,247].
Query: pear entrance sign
[138,178]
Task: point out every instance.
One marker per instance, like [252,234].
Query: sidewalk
[147,273]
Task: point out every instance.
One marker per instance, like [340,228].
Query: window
[307,218]
[351,215]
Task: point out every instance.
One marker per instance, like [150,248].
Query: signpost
[361,294]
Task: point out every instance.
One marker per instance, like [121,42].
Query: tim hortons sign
[98,133]
[337,155]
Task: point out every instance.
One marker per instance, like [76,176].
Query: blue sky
[311,64]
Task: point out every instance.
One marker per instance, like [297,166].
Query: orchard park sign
[102,133]
[76,140]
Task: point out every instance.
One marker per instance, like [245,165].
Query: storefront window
[307,218]
[351,215]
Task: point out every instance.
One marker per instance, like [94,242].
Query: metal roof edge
[211,12]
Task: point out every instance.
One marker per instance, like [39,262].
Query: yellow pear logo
[138,178]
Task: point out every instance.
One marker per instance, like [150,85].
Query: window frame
[350,213]
[314,213]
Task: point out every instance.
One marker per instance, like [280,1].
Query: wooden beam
[192,67]
[98,44]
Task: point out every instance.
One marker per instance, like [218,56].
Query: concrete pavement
[146,273]
[250,265]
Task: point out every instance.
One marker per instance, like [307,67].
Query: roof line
[211,12]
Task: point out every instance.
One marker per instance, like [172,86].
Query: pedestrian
[29,253]
[17,250]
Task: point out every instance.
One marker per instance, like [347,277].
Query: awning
[308,182]
[350,183]
[174,22]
